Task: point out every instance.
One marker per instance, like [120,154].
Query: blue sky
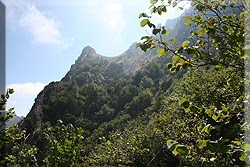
[45,37]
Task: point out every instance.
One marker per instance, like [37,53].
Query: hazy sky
[45,37]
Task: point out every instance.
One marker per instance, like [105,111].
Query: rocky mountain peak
[87,53]
[88,50]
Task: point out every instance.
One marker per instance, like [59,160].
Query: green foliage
[63,145]
[155,117]
[217,39]
[20,152]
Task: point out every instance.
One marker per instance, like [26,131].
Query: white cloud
[112,15]
[23,97]
[42,25]
[27,90]
[43,29]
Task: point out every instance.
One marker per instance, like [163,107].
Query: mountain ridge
[97,89]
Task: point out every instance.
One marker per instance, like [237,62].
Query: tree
[217,38]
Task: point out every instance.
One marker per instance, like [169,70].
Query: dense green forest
[181,103]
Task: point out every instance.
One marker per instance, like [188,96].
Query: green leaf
[180,50]
[137,45]
[153,1]
[153,10]
[144,22]
[169,141]
[143,15]
[182,61]
[193,3]
[169,65]
[223,8]
[182,101]
[208,128]
[164,32]
[182,150]
[187,20]
[225,113]
[171,40]
[184,65]
[215,116]
[156,31]
[242,156]
[174,146]
[164,9]
[174,5]
[202,143]
[175,58]
[185,43]
[217,67]
[242,14]
[173,69]
[159,52]
[11,91]
[178,67]
[202,32]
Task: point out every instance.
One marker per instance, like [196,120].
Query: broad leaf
[185,43]
[182,150]
[153,1]
[164,32]
[159,52]
[144,22]
[182,101]
[171,40]
[202,143]
[175,58]
[156,31]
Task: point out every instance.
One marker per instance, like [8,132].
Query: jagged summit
[88,50]
[87,54]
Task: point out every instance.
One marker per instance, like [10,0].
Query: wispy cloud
[112,15]
[24,96]
[43,29]
[42,25]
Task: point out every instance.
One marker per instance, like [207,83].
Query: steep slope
[68,98]
[100,94]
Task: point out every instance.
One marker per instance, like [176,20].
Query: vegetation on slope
[190,115]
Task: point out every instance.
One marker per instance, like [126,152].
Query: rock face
[87,54]
[34,118]
[131,60]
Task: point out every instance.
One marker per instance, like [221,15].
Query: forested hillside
[178,103]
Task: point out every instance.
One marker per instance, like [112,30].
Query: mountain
[14,120]
[131,110]
[102,94]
